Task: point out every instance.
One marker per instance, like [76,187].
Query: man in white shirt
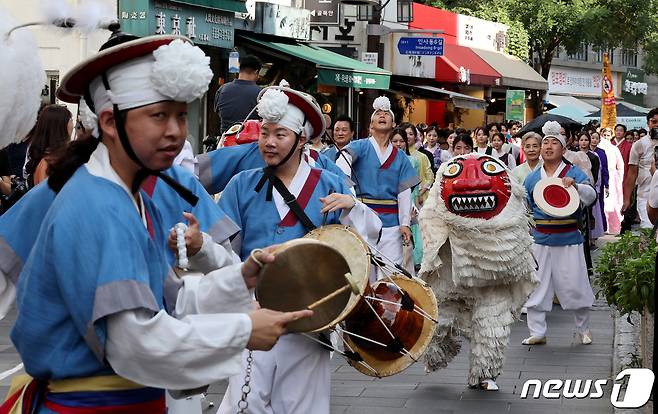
[639,165]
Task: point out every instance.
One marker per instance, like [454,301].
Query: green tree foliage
[546,25]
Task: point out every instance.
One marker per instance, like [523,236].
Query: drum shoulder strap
[291,202]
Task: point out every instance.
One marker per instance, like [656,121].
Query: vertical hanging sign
[608,101]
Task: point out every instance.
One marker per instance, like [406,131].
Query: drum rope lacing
[243,404]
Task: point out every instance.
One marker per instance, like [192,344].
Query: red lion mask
[475,186]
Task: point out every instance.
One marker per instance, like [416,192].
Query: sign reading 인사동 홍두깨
[515,105]
[204,26]
[421,46]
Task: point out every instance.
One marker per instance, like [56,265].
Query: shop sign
[515,105]
[353,79]
[481,34]
[345,34]
[575,81]
[421,46]
[371,58]
[634,86]
[408,65]
[323,11]
[203,26]
[284,21]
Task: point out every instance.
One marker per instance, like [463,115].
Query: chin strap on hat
[268,172]
[144,172]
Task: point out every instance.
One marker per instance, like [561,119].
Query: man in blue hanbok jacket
[294,376]
[384,178]
[558,245]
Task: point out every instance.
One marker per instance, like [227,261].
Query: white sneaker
[586,337]
[534,340]
[488,384]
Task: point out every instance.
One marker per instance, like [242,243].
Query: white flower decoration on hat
[273,105]
[382,103]
[181,85]
[88,119]
[551,129]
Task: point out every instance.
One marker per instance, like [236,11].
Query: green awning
[333,68]
[237,6]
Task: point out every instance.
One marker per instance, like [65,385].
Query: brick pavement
[445,391]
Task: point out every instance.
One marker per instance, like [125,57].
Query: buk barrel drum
[387,326]
[391,327]
[306,274]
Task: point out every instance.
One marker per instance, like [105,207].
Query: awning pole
[350,106]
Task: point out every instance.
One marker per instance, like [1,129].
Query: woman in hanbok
[595,139]
[531,145]
[615,197]
[596,227]
[397,139]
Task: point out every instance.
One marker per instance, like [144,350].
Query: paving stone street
[445,391]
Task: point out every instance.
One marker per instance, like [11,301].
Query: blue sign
[424,46]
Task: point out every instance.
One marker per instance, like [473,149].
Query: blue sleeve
[326,163]
[19,228]
[605,174]
[579,175]
[229,202]
[217,167]
[100,273]
[212,218]
[408,177]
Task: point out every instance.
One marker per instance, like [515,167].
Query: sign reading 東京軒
[202,25]
[421,46]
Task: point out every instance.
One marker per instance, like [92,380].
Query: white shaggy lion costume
[481,269]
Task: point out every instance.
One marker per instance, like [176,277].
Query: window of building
[629,57]
[581,54]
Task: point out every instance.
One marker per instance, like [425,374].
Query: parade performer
[216,168]
[384,178]
[558,245]
[614,199]
[478,262]
[281,202]
[92,327]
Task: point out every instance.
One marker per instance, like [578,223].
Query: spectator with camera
[639,169]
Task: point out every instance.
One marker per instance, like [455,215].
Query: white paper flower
[273,105]
[382,104]
[88,119]
[551,128]
[181,71]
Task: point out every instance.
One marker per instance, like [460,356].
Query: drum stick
[329,297]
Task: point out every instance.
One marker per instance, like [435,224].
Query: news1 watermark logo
[637,392]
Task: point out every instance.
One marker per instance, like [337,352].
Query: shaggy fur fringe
[482,272]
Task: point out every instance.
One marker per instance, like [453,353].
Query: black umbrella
[536,124]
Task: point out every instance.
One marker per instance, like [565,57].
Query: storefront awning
[333,68]
[237,6]
[515,73]
[570,101]
[460,64]
[458,99]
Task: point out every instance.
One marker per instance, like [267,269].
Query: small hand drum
[306,274]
